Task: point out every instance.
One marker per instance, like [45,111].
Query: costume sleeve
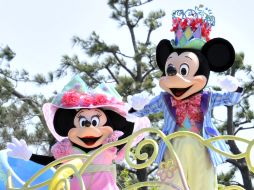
[225,98]
[41,159]
[154,106]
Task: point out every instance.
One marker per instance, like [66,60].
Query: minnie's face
[90,130]
[181,80]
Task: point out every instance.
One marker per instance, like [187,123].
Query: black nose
[171,70]
[87,123]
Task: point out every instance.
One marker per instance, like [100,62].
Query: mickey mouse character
[186,105]
[82,120]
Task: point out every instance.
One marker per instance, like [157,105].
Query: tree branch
[152,170]
[130,26]
[127,56]
[73,62]
[235,163]
[124,66]
[241,123]
[243,128]
[31,102]
[148,36]
[112,75]
[25,99]
[236,183]
[148,1]
[231,130]
[147,73]
[134,25]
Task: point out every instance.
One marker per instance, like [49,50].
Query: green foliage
[6,53]
[20,114]
[225,178]
[152,20]
[125,178]
[243,114]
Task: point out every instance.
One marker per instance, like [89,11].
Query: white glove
[131,117]
[138,101]
[18,149]
[228,83]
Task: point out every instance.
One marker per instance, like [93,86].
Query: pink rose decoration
[115,101]
[70,99]
[100,99]
[61,149]
[193,23]
[86,100]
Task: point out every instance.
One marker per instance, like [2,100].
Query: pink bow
[188,107]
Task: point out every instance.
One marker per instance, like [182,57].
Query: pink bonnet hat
[77,95]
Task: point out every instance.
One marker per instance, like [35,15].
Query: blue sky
[40,31]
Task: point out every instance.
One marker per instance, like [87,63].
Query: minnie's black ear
[219,53]
[64,121]
[118,122]
[163,50]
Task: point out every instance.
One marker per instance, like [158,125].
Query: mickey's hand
[18,149]
[131,117]
[138,101]
[228,83]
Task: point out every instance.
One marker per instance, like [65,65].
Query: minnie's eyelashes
[81,117]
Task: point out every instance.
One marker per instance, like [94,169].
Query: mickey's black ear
[64,121]
[163,50]
[219,53]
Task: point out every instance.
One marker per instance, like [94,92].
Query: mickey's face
[181,79]
[90,130]
[186,70]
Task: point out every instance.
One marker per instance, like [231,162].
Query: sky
[40,31]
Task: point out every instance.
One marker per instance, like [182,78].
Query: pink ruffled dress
[101,174]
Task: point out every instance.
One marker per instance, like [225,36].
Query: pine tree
[237,122]
[20,114]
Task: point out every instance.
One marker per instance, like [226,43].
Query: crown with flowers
[192,27]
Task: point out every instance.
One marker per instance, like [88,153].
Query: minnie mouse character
[186,64]
[82,120]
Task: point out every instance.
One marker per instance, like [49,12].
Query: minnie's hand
[138,101]
[228,83]
[18,149]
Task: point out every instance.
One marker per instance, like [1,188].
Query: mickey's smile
[179,91]
[90,140]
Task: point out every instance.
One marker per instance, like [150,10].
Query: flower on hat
[70,99]
[206,31]
[113,100]
[86,99]
[192,27]
[75,99]
[100,99]
[194,23]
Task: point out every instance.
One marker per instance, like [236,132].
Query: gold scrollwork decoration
[76,166]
